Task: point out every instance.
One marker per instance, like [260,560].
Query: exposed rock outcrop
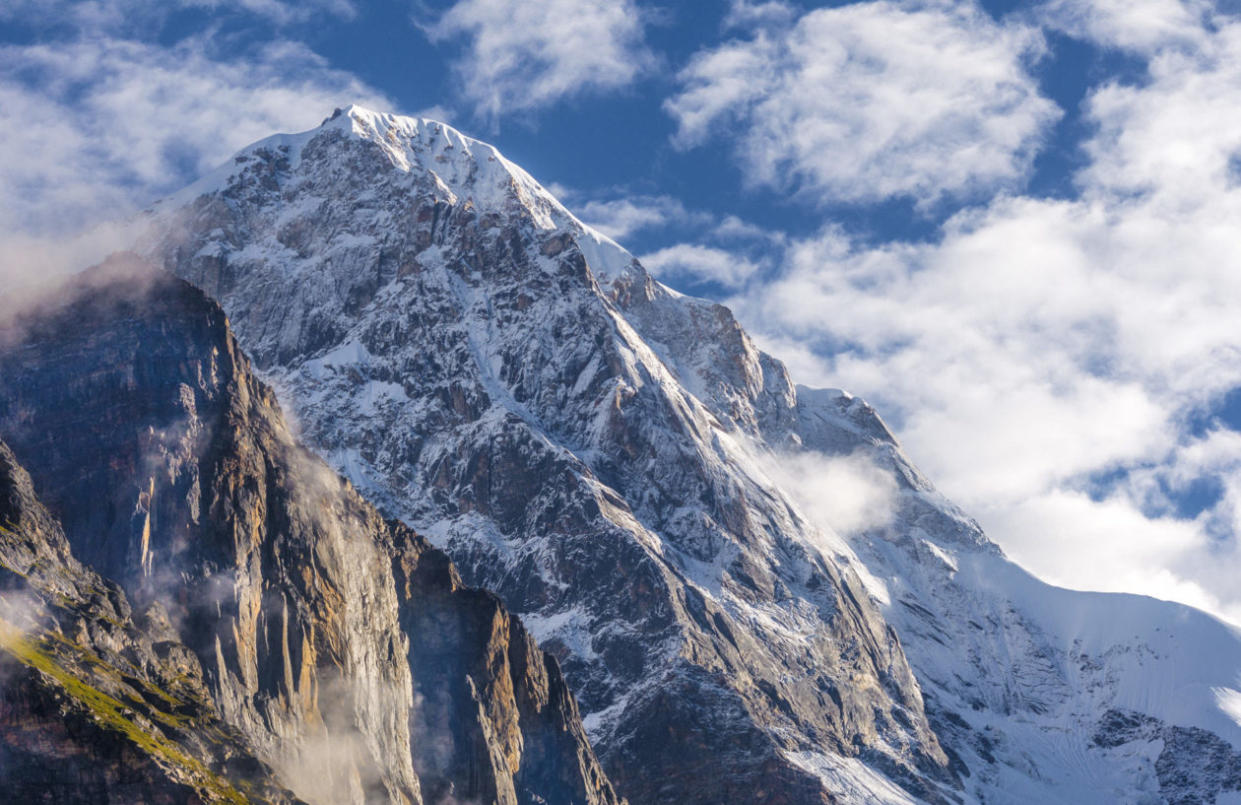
[97,704]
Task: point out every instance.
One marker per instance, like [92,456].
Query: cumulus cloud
[1042,358]
[1144,26]
[521,56]
[1177,136]
[872,100]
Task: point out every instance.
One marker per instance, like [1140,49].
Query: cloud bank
[100,124]
[95,124]
[1045,360]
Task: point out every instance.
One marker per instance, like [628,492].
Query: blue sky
[1011,225]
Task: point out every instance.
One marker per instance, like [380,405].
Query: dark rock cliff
[340,645]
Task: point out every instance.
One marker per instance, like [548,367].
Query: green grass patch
[110,713]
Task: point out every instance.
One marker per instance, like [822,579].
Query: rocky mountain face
[96,700]
[342,650]
[454,342]
[627,471]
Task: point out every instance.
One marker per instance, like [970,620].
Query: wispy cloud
[743,14]
[847,494]
[521,56]
[872,100]
[687,261]
[620,217]
[1145,26]
[118,16]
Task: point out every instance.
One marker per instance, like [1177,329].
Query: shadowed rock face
[1193,766]
[495,721]
[173,473]
[96,704]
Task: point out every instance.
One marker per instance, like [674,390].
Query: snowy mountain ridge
[466,169]
[619,462]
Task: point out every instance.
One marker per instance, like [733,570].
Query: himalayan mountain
[371,474]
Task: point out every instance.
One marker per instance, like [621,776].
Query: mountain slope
[343,647]
[1036,689]
[617,462]
[438,322]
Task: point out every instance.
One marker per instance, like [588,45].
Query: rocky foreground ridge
[97,702]
[622,466]
[265,635]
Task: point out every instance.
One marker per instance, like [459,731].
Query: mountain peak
[388,127]
[667,511]
[543,411]
[461,170]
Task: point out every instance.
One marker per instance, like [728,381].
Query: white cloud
[732,228]
[840,496]
[744,14]
[698,262]
[522,56]
[848,494]
[621,217]
[1180,134]
[1111,546]
[1137,25]
[93,127]
[873,100]
[629,213]
[1042,343]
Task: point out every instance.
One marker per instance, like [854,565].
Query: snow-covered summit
[470,169]
[467,171]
